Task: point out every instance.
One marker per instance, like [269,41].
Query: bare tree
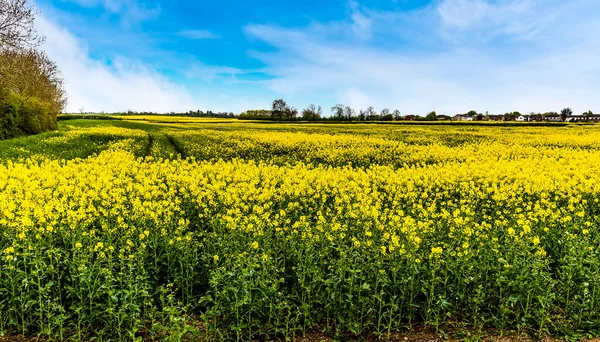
[338,111]
[348,113]
[370,112]
[291,113]
[16,25]
[312,113]
[362,115]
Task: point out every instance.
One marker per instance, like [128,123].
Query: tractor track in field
[148,147]
[176,145]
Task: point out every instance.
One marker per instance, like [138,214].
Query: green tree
[432,116]
[565,113]
[278,109]
[31,73]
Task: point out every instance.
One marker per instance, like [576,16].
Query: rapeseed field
[244,231]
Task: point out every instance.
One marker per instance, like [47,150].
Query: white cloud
[361,24]
[531,55]
[209,73]
[95,86]
[131,11]
[198,34]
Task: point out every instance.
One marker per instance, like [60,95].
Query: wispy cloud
[210,73]
[131,11]
[198,34]
[361,24]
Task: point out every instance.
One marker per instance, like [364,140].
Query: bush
[24,115]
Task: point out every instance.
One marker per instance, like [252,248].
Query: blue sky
[413,55]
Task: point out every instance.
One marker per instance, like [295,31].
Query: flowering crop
[259,230]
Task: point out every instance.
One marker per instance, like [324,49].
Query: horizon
[449,56]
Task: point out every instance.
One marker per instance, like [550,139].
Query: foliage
[566,112]
[431,116]
[259,114]
[24,115]
[32,87]
[312,113]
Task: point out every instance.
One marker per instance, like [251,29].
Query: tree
[338,111]
[588,113]
[371,114]
[348,113]
[431,116]
[472,113]
[397,115]
[312,113]
[290,113]
[566,112]
[385,112]
[31,73]
[362,115]
[278,109]
[16,25]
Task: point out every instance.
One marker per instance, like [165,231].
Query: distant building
[583,118]
[462,117]
[553,118]
[522,118]
[444,117]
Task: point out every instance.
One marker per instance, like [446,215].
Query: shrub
[24,115]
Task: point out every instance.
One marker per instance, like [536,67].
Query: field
[131,229]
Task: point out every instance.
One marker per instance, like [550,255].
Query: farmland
[227,230]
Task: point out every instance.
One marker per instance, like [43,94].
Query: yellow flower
[254,245]
[540,252]
[216,258]
[436,252]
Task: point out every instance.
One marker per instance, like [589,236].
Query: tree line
[192,113]
[31,86]
[280,111]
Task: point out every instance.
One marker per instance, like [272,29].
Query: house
[462,117]
[583,118]
[522,118]
[553,118]
[536,117]
[444,117]
[496,117]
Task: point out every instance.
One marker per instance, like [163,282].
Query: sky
[416,56]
